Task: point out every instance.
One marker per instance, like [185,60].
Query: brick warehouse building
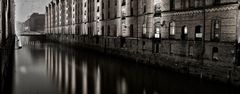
[35,23]
[199,37]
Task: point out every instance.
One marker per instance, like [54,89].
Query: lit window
[172,28]
[216,30]
[184,33]
[157,30]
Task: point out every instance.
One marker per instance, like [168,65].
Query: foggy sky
[24,8]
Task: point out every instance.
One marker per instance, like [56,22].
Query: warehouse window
[184,4]
[144,7]
[171,49]
[199,3]
[216,27]
[172,29]
[215,53]
[172,4]
[216,2]
[108,32]
[123,2]
[184,34]
[103,31]
[131,30]
[115,31]
[198,32]
[131,8]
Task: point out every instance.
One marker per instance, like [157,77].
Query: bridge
[31,34]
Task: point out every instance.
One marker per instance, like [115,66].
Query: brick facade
[194,32]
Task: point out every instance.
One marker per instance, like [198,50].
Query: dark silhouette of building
[7,40]
[35,23]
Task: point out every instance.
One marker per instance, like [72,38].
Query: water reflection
[82,72]
[47,68]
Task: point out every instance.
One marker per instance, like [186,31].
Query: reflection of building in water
[85,78]
[78,72]
[97,76]
[60,70]
[73,72]
[66,73]
[122,86]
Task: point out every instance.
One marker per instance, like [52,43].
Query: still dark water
[46,68]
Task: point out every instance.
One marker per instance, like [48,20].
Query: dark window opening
[98,9]
[123,41]
[108,32]
[215,54]
[131,30]
[97,39]
[172,4]
[123,2]
[171,48]
[143,45]
[199,3]
[184,4]
[144,9]
[115,31]
[216,2]
[103,31]
[198,32]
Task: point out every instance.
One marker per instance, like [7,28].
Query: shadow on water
[58,69]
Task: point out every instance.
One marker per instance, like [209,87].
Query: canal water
[48,68]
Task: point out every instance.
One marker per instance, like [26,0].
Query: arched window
[216,27]
[172,29]
[198,32]
[184,34]
[215,53]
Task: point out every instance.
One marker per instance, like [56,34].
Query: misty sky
[24,8]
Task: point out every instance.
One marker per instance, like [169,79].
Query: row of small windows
[214,57]
[215,36]
[191,3]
